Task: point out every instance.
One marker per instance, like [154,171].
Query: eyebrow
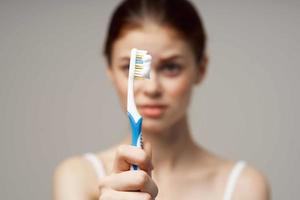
[126,59]
[123,60]
[172,57]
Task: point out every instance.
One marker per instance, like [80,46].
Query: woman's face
[163,99]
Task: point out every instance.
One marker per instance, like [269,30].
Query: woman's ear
[202,68]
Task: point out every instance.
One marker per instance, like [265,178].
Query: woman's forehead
[160,43]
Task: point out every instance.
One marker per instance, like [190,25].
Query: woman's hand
[124,183]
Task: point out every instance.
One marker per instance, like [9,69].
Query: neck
[171,148]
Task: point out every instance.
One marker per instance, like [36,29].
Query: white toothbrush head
[139,68]
[142,66]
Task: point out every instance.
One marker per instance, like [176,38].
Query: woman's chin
[153,125]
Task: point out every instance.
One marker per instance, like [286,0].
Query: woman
[172,165]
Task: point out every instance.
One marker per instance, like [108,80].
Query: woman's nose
[152,87]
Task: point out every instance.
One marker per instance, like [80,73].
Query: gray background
[55,100]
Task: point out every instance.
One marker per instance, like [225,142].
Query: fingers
[126,155]
[137,180]
[118,195]
[124,183]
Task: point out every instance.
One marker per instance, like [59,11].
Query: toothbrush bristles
[138,67]
[141,66]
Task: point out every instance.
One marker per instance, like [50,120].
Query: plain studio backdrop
[56,101]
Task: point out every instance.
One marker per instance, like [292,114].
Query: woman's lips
[152,111]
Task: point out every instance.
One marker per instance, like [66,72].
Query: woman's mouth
[152,111]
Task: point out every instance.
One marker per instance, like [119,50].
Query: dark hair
[178,14]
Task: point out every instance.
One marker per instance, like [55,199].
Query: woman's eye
[125,68]
[171,69]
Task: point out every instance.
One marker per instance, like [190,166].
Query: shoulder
[76,178]
[66,170]
[72,177]
[251,184]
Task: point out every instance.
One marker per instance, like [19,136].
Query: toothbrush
[139,68]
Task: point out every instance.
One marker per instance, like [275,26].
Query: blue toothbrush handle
[136,134]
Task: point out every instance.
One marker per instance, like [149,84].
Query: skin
[172,165]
